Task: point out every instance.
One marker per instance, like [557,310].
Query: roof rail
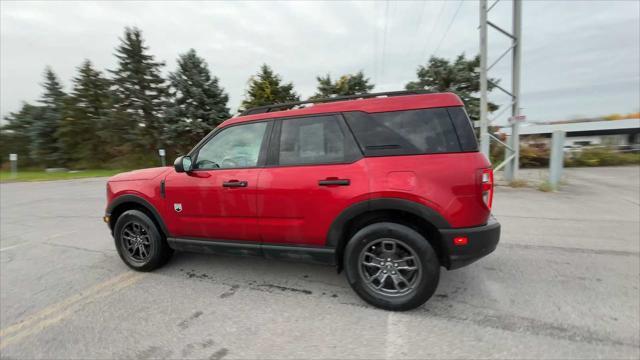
[290,105]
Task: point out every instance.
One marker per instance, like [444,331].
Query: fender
[128,198]
[335,231]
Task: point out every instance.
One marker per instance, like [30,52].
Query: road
[563,283]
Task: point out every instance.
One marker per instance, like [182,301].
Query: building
[624,134]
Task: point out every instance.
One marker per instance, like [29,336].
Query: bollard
[556,160]
[13,158]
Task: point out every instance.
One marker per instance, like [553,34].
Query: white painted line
[62,234]
[13,246]
[48,238]
[397,335]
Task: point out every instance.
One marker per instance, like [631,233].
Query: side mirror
[183,164]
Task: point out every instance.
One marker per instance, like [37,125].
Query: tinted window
[408,132]
[313,140]
[233,147]
[463,128]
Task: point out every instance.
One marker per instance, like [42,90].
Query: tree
[198,105]
[84,131]
[346,85]
[141,92]
[45,148]
[266,88]
[460,77]
[16,134]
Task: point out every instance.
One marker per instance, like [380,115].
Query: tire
[366,258]
[149,249]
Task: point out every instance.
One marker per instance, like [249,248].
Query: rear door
[217,200]
[313,173]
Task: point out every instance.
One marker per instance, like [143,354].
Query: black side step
[307,254]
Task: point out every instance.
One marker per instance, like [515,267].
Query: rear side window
[314,140]
[425,131]
[463,128]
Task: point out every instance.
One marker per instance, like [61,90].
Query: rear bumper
[482,240]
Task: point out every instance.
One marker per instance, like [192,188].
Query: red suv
[388,187]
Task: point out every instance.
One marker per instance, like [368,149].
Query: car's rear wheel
[139,242]
[391,266]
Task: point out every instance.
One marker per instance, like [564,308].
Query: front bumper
[482,240]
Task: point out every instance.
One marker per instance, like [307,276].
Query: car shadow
[456,287]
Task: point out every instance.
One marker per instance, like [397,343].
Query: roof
[370,105]
[605,126]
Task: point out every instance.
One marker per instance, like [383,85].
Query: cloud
[567,45]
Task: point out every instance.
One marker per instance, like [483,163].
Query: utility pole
[511,171]
[510,163]
[484,134]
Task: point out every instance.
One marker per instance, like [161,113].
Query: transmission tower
[510,163]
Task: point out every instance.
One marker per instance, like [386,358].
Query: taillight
[487,187]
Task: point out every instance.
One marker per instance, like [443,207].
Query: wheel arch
[132,202]
[421,218]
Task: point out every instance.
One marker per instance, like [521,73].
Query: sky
[579,58]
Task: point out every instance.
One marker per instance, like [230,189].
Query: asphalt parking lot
[563,283]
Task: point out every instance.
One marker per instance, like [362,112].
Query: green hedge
[537,156]
[602,157]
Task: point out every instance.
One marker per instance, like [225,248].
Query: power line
[448,28]
[375,43]
[433,27]
[420,21]
[384,39]
[419,24]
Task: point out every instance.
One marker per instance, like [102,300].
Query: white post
[13,158]
[162,153]
[556,160]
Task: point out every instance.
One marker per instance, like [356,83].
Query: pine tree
[83,133]
[349,84]
[266,88]
[199,103]
[45,148]
[325,87]
[141,92]
[16,134]
[460,77]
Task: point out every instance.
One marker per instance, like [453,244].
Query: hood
[142,174]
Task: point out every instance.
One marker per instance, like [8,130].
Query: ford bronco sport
[388,187]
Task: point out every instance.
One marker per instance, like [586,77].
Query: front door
[217,199]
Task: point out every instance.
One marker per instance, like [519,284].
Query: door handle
[334,182]
[234,183]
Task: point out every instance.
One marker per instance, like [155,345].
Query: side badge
[177,207]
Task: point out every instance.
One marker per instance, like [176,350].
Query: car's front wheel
[391,266]
[139,242]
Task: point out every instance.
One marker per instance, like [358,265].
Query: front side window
[314,140]
[233,147]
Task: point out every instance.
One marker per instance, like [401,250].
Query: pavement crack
[572,250]
[232,290]
[219,354]
[564,219]
[102,252]
[184,324]
[285,288]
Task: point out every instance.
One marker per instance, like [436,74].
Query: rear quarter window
[466,135]
[411,132]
